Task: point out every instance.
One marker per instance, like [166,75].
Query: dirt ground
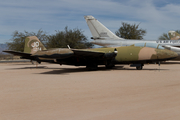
[54,92]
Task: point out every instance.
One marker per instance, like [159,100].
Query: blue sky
[156,16]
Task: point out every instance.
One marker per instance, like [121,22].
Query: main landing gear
[138,66]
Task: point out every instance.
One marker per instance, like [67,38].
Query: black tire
[139,67]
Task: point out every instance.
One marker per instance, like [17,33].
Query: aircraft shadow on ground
[169,62]
[39,67]
[76,70]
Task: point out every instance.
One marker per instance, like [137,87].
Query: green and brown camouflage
[91,58]
[32,45]
[134,54]
[106,56]
[174,35]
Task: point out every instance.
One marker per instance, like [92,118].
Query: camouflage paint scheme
[35,50]
[32,45]
[174,35]
[128,54]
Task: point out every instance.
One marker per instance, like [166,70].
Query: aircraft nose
[166,54]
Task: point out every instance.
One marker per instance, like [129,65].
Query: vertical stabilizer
[98,30]
[174,35]
[32,45]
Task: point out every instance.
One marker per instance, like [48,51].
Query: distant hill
[3,47]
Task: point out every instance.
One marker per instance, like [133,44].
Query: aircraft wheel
[139,67]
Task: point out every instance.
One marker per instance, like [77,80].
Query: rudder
[98,30]
[32,45]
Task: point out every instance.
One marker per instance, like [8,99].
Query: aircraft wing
[88,53]
[94,54]
[169,47]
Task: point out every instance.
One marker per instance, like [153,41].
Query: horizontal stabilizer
[22,54]
[17,53]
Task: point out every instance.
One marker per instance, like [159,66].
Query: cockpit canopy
[152,45]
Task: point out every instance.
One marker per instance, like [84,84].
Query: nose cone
[166,54]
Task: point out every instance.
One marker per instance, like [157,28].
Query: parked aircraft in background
[174,35]
[91,58]
[104,37]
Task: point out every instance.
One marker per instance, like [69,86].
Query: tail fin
[32,45]
[98,30]
[174,35]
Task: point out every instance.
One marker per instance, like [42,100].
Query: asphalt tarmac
[54,92]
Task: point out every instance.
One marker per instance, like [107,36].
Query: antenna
[68,47]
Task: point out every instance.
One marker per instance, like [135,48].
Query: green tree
[18,39]
[72,37]
[165,36]
[129,31]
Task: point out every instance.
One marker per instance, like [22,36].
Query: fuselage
[173,45]
[135,53]
[125,42]
[125,54]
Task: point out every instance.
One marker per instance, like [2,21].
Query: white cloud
[56,14]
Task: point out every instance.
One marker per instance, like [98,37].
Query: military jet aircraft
[174,35]
[91,58]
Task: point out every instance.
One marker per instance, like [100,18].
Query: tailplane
[32,45]
[98,30]
[174,35]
